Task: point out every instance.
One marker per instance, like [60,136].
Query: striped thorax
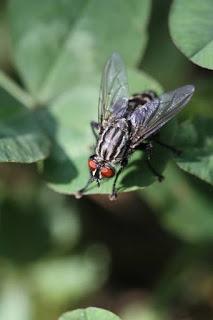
[112,143]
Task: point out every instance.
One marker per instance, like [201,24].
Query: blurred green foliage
[39,232]
[148,256]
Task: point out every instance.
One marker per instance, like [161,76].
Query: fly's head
[100,169]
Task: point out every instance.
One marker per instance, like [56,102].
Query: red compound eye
[107,172]
[92,164]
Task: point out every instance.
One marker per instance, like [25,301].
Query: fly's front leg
[148,151]
[114,195]
[80,193]
[95,126]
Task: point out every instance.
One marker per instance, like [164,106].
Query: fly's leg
[169,147]
[114,195]
[154,171]
[80,193]
[95,126]
[148,150]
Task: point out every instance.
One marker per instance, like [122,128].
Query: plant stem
[17,92]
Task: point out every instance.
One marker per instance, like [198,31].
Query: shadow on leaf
[139,168]
[58,168]
[196,140]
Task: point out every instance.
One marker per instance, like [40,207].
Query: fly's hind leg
[95,126]
[177,152]
[154,171]
[148,151]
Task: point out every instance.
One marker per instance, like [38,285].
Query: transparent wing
[148,119]
[114,89]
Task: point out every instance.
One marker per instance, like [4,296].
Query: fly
[126,124]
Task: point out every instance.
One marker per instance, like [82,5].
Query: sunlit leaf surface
[191,27]
[58,44]
[89,314]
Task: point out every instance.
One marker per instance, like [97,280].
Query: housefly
[128,123]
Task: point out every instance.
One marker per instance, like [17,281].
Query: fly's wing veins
[113,97]
[149,118]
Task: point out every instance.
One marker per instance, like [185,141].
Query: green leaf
[191,27]
[58,44]
[21,139]
[196,141]
[66,170]
[158,35]
[89,314]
